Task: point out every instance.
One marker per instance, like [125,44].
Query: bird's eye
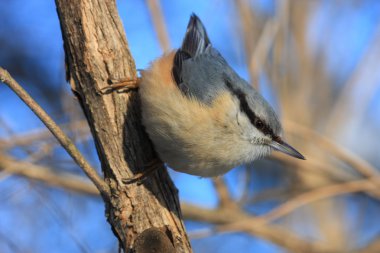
[259,124]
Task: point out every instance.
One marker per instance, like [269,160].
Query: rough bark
[96,54]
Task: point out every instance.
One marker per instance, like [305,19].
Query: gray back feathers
[201,72]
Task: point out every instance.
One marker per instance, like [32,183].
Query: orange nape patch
[162,67]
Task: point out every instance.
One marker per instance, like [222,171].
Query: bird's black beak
[283,147]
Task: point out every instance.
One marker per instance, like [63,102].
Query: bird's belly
[189,150]
[181,161]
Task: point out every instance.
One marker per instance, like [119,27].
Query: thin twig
[360,165]
[307,198]
[10,241]
[322,169]
[159,24]
[262,49]
[63,220]
[43,135]
[249,31]
[314,166]
[6,78]
[201,233]
[42,151]
[366,69]
[319,194]
[237,220]
[225,199]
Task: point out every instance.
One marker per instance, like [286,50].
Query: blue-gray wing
[204,76]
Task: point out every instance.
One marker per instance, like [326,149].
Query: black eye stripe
[244,107]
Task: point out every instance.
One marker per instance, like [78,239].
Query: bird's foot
[149,168]
[125,85]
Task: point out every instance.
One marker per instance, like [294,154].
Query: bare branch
[66,143]
[344,109]
[47,175]
[43,135]
[260,52]
[225,200]
[234,220]
[250,29]
[319,194]
[362,166]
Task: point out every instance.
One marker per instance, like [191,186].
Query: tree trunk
[146,216]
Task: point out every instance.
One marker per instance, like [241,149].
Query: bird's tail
[196,39]
[194,43]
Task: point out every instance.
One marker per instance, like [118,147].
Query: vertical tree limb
[97,54]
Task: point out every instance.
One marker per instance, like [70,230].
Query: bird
[201,116]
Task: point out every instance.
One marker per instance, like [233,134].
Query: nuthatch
[202,118]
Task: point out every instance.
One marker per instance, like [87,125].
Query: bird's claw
[149,168]
[126,85]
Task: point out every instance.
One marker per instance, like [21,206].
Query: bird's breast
[189,136]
